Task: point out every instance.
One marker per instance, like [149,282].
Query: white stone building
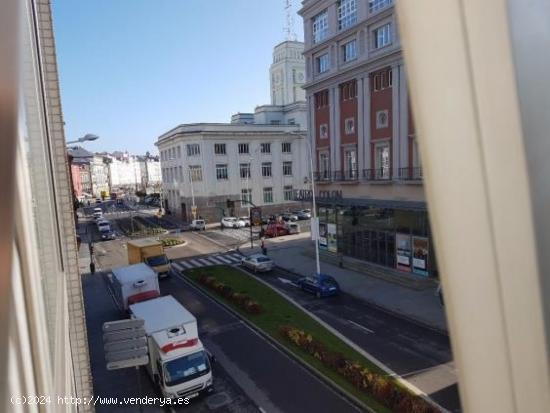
[124,172]
[151,179]
[99,173]
[259,157]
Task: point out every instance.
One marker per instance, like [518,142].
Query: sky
[131,70]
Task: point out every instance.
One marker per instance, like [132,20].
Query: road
[420,355]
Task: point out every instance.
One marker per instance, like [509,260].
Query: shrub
[252,307]
[227,291]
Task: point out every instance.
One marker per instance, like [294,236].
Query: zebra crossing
[229,258]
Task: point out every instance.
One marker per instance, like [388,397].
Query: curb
[337,389]
[415,390]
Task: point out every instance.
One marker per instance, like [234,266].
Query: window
[246,195]
[350,163]
[221,171]
[349,51]
[382,161]
[349,126]
[320,27]
[381,119]
[348,90]
[324,166]
[321,99]
[274,122]
[322,63]
[244,169]
[243,148]
[193,149]
[195,172]
[375,5]
[323,131]
[173,153]
[219,148]
[347,13]
[288,193]
[292,121]
[382,80]
[268,195]
[180,173]
[266,169]
[179,152]
[287,168]
[382,36]
[286,147]
[265,148]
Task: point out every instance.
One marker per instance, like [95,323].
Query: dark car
[322,285]
[108,235]
[289,217]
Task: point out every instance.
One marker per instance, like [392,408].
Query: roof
[145,242]
[162,313]
[132,273]
[79,152]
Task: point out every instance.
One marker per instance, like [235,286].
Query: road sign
[126,354]
[123,335]
[122,324]
[140,361]
[125,344]
[256,216]
[194,209]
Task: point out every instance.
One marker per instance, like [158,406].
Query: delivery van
[133,283]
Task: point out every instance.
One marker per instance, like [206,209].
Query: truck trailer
[151,252]
[134,283]
[178,362]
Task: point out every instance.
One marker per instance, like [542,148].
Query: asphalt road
[420,355]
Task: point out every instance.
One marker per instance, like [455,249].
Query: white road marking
[286,281]
[186,264]
[178,266]
[223,259]
[204,261]
[196,263]
[362,327]
[231,259]
[215,260]
[238,256]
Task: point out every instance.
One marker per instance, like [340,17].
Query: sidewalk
[421,306]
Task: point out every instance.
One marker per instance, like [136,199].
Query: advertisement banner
[420,256]
[331,238]
[403,252]
[323,236]
[256,216]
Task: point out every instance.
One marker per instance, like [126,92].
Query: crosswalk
[228,258]
[240,234]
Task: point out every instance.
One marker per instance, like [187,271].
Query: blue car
[322,285]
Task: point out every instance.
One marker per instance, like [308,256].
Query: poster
[331,238]
[420,256]
[403,252]
[322,236]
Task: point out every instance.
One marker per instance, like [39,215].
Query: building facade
[368,169]
[151,179]
[99,173]
[208,164]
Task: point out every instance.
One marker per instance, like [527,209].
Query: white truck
[134,283]
[178,363]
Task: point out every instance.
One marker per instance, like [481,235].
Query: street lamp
[193,208]
[87,137]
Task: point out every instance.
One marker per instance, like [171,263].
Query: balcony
[377,174]
[351,175]
[323,176]
[410,173]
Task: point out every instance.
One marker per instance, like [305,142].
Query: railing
[349,175]
[323,176]
[377,174]
[410,173]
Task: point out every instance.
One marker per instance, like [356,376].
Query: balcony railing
[349,175]
[410,173]
[377,174]
[323,176]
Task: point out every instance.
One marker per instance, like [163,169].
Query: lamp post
[193,207]
[85,138]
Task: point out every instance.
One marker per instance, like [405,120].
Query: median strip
[308,340]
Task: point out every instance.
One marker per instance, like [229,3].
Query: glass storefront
[392,237]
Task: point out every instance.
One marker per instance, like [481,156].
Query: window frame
[224,168]
[267,166]
[286,166]
[219,146]
[349,7]
[241,146]
[190,148]
[268,193]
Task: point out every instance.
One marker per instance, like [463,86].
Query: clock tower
[287,73]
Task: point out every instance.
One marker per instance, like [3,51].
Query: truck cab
[178,362]
[151,252]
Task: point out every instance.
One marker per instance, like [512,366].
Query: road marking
[215,260]
[286,281]
[186,264]
[178,266]
[238,256]
[362,327]
[196,263]
[231,259]
[204,261]
[223,259]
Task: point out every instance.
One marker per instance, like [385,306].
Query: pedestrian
[92,267]
[264,249]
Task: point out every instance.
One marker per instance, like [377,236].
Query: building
[151,178]
[258,158]
[368,170]
[99,173]
[44,345]
[208,164]
[124,172]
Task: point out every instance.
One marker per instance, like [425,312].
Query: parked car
[108,235]
[98,200]
[321,285]
[198,225]
[276,230]
[304,214]
[232,222]
[289,217]
[258,262]
[246,221]
[98,213]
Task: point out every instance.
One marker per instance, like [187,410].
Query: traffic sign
[125,344]
[256,216]
[140,361]
[123,324]
[123,335]
[126,354]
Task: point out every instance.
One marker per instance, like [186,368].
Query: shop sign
[331,238]
[306,195]
[403,252]
[256,216]
[323,236]
[420,255]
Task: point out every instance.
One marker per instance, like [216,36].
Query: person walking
[264,248]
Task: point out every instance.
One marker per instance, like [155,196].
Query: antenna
[288,30]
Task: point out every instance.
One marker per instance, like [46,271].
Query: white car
[258,262]
[229,222]
[98,213]
[198,225]
[246,221]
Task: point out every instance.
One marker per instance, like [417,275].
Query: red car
[276,230]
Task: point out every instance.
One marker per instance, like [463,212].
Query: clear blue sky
[132,69]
